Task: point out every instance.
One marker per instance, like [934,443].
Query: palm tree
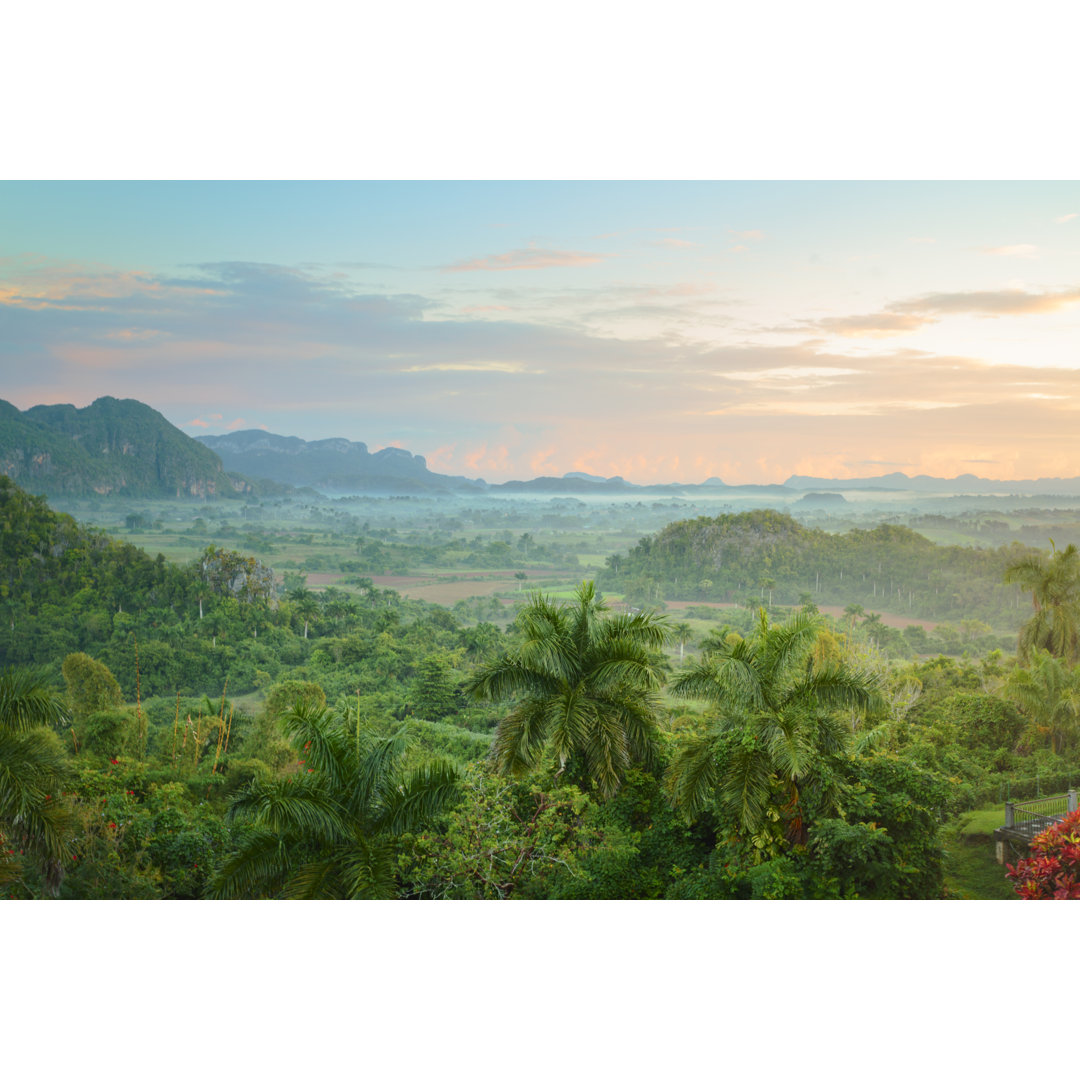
[854,611]
[1054,584]
[328,831]
[306,605]
[776,716]
[1048,693]
[582,684]
[33,765]
[682,633]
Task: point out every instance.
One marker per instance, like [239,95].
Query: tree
[775,724]
[1054,584]
[1048,693]
[434,694]
[306,605]
[34,819]
[329,830]
[682,633]
[582,684]
[91,686]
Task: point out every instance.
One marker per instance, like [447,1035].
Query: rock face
[108,448]
[336,465]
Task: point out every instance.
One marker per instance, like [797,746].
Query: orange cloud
[527,259]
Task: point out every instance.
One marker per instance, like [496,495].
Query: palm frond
[424,794]
[320,736]
[693,776]
[519,738]
[746,786]
[27,701]
[314,879]
[303,807]
[258,868]
[367,869]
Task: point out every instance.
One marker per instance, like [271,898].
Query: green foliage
[1054,584]
[435,695]
[776,720]
[890,568]
[329,830]
[91,686]
[581,683]
[35,818]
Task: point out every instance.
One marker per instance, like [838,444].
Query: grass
[971,868]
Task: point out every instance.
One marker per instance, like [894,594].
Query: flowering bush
[1053,872]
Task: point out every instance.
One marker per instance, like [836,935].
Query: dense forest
[209,729]
[747,557]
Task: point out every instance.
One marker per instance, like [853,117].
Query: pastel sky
[658,331]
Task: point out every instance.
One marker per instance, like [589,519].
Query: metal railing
[1028,819]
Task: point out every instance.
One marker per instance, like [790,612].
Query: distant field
[436,590]
[897,621]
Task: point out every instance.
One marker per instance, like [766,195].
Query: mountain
[336,465]
[967,484]
[111,447]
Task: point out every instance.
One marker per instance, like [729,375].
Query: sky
[656,330]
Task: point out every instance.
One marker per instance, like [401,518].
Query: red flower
[112,824]
[113,761]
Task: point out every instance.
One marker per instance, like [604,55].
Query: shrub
[1053,873]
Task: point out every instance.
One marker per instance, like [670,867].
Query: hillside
[110,447]
[735,557]
[331,464]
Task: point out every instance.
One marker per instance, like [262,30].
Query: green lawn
[971,868]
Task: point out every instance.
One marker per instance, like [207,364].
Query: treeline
[765,556]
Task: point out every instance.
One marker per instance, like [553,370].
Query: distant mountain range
[123,447]
[336,465]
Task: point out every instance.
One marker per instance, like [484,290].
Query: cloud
[307,353]
[1064,217]
[485,307]
[527,259]
[1019,251]
[907,316]
[506,367]
[990,304]
[237,425]
[879,325]
[748,234]
[674,242]
[921,240]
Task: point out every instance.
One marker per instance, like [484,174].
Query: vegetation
[219,719]
[583,685]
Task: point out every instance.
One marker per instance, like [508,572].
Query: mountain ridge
[112,446]
[125,447]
